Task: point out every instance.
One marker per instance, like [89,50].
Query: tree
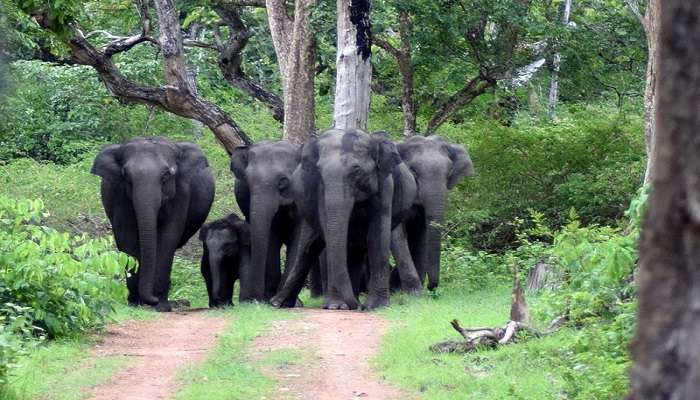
[666,349]
[650,23]
[177,95]
[402,54]
[556,66]
[295,46]
[460,49]
[353,68]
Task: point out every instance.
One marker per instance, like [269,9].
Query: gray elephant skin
[156,194]
[263,191]
[226,252]
[350,187]
[437,167]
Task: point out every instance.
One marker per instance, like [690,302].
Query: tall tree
[650,22]
[295,46]
[556,66]
[667,345]
[402,54]
[177,95]
[353,68]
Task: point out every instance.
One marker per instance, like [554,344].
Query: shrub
[60,284]
[591,160]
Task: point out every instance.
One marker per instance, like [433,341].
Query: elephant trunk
[215,266]
[146,200]
[338,208]
[262,212]
[434,203]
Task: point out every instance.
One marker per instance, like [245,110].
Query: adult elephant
[349,188]
[156,194]
[263,191]
[437,167]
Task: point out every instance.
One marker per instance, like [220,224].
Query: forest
[555,102]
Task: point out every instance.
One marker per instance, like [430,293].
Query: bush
[61,284]
[591,160]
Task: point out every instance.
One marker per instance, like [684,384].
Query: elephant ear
[203,232]
[239,161]
[107,164]
[385,153]
[461,165]
[191,158]
[243,230]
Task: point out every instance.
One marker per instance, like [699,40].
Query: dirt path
[161,348]
[340,344]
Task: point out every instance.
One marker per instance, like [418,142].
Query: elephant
[350,187]
[437,167]
[263,174]
[156,194]
[226,252]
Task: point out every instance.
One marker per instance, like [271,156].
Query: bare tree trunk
[354,71]
[650,22]
[295,47]
[556,68]
[404,60]
[666,348]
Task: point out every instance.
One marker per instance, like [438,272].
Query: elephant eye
[283,182]
[167,173]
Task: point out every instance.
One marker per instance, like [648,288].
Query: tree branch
[633,5]
[230,60]
[474,88]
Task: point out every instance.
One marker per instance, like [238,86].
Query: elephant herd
[339,205]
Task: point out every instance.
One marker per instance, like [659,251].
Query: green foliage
[591,160]
[51,284]
[61,284]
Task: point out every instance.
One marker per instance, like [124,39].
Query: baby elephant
[226,255]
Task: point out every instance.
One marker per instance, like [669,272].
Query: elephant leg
[356,267]
[228,277]
[378,243]
[164,263]
[272,266]
[418,246]
[405,268]
[298,257]
[132,284]
[323,271]
[315,281]
[205,269]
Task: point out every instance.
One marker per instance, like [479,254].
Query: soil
[340,344]
[161,348]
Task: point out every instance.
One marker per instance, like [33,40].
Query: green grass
[228,373]
[61,370]
[527,370]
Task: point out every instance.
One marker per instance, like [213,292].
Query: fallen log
[492,337]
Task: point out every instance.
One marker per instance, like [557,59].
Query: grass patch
[528,370]
[228,374]
[61,371]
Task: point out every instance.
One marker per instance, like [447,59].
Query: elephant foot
[163,306]
[339,304]
[280,302]
[415,289]
[374,302]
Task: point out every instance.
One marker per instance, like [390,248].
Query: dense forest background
[547,96]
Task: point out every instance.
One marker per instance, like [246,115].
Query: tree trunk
[651,28]
[556,68]
[666,348]
[295,46]
[354,71]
